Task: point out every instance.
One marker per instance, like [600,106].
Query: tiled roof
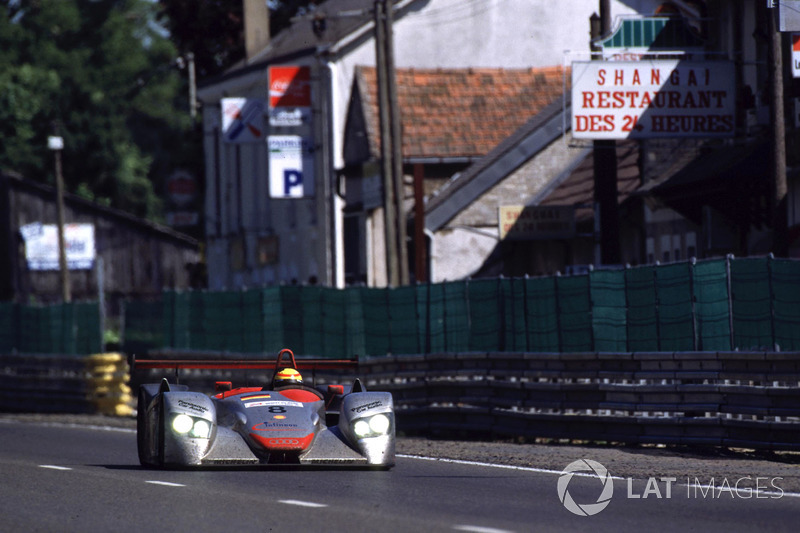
[578,189]
[461,112]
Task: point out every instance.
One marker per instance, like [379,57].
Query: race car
[285,422]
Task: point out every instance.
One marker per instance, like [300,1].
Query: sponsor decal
[192,406]
[274,404]
[275,426]
[366,406]
[256,397]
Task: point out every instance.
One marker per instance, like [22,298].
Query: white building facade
[255,238]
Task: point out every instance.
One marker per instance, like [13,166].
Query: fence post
[525,312]
[558,312]
[428,318]
[444,315]
[692,262]
[416,315]
[770,258]
[502,304]
[627,307]
[657,306]
[387,299]
[730,299]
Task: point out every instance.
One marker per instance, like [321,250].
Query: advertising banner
[41,246]
[289,95]
[535,222]
[242,120]
[653,98]
[291,167]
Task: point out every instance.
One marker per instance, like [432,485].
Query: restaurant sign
[652,99]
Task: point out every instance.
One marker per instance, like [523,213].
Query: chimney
[256,26]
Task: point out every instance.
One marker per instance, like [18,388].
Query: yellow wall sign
[519,222]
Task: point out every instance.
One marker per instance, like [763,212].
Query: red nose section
[284,444]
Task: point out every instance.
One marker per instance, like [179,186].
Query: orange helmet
[287,376]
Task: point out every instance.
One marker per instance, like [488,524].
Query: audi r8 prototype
[286,422]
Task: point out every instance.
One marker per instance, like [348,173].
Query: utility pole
[389,203]
[396,132]
[56,143]
[606,207]
[192,86]
[391,147]
[778,203]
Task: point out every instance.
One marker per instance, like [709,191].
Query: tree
[103,70]
[213,30]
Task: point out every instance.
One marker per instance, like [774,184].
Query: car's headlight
[185,424]
[182,424]
[373,426]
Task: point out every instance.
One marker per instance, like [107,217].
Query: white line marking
[302,503]
[581,474]
[54,467]
[165,483]
[479,529]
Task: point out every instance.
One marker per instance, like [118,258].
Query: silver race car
[286,422]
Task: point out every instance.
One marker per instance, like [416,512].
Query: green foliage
[106,73]
[213,30]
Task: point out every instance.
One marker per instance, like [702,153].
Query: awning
[734,180]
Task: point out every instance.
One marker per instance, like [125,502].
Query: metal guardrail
[65,384]
[727,399]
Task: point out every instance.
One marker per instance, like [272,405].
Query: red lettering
[601,76]
[619,77]
[636,80]
[655,77]
[588,99]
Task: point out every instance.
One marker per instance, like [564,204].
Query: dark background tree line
[108,76]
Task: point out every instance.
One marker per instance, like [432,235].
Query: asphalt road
[65,478]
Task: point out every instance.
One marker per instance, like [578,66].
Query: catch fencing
[66,329]
[715,305]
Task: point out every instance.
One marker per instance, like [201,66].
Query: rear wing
[245,364]
[241,364]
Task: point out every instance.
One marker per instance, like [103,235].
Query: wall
[140,259]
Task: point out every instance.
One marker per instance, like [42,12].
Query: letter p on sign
[292,180]
[290,167]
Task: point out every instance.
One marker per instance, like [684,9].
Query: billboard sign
[289,95]
[291,167]
[652,99]
[796,55]
[41,246]
[242,120]
[536,222]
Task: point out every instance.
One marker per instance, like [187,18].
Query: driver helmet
[288,376]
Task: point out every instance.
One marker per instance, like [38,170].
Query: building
[679,195]
[263,229]
[116,256]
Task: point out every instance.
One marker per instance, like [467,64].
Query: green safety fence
[69,329]
[715,305]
